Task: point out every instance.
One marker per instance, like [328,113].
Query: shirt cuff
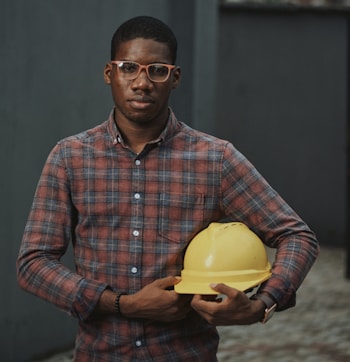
[280,291]
[88,295]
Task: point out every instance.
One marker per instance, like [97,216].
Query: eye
[128,67]
[158,70]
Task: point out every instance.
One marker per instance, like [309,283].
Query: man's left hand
[235,309]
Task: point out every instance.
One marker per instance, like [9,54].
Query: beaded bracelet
[117,303]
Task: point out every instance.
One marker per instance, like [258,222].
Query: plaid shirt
[131,216]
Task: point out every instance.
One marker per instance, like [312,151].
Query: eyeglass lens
[155,72]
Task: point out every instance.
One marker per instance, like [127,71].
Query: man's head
[145,27]
[142,72]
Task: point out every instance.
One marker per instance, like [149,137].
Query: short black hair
[145,27]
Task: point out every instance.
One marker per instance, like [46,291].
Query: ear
[107,73]
[176,77]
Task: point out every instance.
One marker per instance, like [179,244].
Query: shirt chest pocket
[180,216]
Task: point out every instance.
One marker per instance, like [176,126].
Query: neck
[138,134]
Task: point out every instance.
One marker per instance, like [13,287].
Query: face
[141,101]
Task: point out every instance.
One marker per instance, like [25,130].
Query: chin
[142,117]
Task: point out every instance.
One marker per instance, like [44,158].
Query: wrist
[105,304]
[117,303]
[126,305]
[269,305]
[258,309]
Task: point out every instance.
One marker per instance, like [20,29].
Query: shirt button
[134,270]
[137,162]
[138,343]
[136,233]
[137,196]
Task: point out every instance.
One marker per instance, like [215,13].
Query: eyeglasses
[156,72]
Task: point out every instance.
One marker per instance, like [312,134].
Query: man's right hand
[157,301]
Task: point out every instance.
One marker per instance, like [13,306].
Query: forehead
[143,51]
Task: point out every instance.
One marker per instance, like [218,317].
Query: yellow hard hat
[228,253]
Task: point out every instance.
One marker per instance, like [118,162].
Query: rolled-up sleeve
[46,237]
[248,197]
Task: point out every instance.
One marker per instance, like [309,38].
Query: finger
[224,289]
[201,305]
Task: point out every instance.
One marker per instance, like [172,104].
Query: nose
[142,81]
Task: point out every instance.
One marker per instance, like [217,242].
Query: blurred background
[270,76]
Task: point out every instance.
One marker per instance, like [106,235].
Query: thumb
[168,282]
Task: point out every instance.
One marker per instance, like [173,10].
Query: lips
[142,99]
[141,102]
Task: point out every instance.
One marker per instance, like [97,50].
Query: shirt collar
[167,133]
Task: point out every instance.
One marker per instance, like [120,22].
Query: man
[131,194]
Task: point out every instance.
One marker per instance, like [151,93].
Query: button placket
[136,246]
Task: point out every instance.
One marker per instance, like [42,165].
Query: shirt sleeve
[247,197]
[47,235]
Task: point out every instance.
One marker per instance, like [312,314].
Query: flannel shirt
[130,217]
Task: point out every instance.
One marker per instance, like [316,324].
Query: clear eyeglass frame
[156,72]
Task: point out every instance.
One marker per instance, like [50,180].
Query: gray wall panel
[282,101]
[52,59]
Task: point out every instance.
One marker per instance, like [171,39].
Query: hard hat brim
[203,287]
